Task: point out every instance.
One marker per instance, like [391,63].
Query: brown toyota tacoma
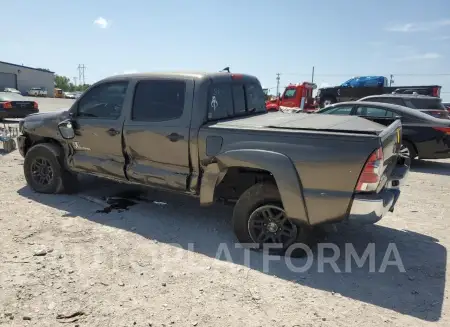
[209,135]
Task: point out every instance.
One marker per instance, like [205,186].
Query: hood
[54,115]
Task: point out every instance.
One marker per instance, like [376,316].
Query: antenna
[226,69]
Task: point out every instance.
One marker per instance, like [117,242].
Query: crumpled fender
[279,165]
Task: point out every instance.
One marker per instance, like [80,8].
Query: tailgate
[391,139]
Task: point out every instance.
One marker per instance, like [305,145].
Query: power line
[81,69]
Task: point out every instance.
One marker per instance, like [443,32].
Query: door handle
[175,137]
[113,132]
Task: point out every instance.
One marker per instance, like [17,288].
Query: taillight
[445,130]
[371,174]
[7,105]
[436,91]
[35,105]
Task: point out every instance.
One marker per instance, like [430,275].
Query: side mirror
[66,129]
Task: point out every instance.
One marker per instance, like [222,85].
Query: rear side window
[228,99]
[374,112]
[397,101]
[220,101]
[158,100]
[419,103]
[338,111]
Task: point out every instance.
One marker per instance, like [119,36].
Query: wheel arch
[266,164]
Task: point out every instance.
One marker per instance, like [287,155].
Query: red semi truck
[296,97]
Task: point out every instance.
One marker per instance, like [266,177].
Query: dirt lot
[159,262]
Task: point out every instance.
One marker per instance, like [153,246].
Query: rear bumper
[17,113]
[370,208]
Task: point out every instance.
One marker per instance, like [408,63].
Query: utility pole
[278,84]
[391,80]
[81,69]
[312,77]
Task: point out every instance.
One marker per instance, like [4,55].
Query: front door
[97,121]
[157,133]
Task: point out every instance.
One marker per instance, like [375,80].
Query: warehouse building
[24,78]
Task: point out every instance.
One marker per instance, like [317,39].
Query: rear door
[98,118]
[157,135]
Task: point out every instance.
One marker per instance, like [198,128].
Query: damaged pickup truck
[209,135]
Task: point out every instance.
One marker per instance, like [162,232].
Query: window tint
[374,112]
[158,100]
[103,101]
[239,98]
[339,111]
[220,101]
[255,98]
[289,94]
[426,103]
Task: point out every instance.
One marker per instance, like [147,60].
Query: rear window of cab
[226,100]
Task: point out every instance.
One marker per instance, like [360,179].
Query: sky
[341,39]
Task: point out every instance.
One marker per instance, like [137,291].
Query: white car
[69,95]
[37,92]
[11,90]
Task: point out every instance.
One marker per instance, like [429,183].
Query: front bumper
[370,208]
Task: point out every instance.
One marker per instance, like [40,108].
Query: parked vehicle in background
[430,105]
[359,87]
[37,92]
[295,98]
[13,105]
[447,106]
[210,136]
[11,90]
[77,94]
[58,93]
[69,95]
[423,136]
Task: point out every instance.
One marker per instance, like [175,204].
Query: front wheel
[44,172]
[259,219]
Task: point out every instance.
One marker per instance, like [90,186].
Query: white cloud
[418,27]
[423,56]
[442,38]
[102,22]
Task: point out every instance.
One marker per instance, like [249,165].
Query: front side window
[158,100]
[103,101]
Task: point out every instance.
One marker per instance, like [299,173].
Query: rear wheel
[259,219]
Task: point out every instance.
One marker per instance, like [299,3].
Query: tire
[408,149]
[43,158]
[259,197]
[326,101]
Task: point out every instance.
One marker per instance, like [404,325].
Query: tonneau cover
[303,121]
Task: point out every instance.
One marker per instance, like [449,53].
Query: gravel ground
[67,261]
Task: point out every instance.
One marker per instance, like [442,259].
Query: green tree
[62,82]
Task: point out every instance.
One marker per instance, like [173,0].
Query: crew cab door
[156,133]
[97,120]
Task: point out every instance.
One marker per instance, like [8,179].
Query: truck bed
[305,122]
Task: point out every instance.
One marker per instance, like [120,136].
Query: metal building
[24,78]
